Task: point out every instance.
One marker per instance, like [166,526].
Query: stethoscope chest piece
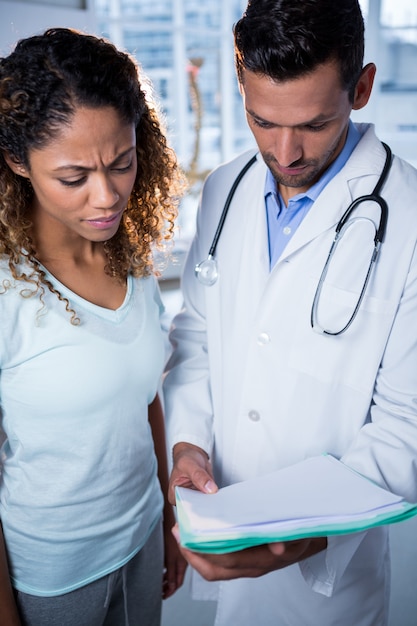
[206,271]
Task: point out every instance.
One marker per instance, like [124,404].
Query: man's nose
[288,147]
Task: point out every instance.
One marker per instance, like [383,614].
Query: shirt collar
[352,139]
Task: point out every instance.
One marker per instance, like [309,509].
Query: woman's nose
[103,194]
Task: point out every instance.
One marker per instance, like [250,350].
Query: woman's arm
[8,610]
[175,564]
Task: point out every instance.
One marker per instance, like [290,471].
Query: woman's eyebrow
[84,168]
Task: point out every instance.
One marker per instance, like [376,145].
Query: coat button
[254,416]
[263,339]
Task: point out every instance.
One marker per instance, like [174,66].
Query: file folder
[320,496]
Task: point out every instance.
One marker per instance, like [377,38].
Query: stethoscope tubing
[210,266]
[375,196]
[378,239]
[229,199]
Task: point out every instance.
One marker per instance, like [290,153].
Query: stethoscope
[207,271]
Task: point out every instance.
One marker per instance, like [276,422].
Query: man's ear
[364,87]
[15,165]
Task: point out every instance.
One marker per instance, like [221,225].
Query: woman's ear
[16,167]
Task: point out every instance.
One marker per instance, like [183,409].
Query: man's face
[300,125]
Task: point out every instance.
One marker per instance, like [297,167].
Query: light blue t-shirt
[80,494]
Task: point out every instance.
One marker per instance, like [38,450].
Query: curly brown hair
[41,83]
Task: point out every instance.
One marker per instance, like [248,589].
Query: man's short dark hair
[286,39]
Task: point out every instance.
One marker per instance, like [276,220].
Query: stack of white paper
[317,497]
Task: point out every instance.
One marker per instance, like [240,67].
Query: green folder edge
[233,541]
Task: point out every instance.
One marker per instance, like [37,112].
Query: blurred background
[185,47]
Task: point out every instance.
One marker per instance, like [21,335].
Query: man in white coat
[271,365]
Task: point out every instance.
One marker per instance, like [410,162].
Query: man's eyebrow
[315,120]
[83,168]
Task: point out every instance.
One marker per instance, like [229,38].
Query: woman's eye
[125,168]
[72,183]
[119,169]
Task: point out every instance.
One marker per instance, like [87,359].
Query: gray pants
[130,596]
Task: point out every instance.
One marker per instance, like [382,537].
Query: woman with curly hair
[88,188]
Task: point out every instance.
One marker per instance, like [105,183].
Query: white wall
[22,19]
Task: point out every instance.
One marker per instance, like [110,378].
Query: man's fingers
[202,481]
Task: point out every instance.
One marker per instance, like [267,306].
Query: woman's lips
[105,222]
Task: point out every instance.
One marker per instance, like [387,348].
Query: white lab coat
[250,382]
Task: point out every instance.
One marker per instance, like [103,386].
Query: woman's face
[83,178]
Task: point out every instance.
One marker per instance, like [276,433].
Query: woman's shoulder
[6,277]
[150,287]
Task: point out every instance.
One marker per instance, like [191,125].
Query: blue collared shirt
[283,220]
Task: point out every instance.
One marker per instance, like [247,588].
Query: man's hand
[252,562]
[191,469]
